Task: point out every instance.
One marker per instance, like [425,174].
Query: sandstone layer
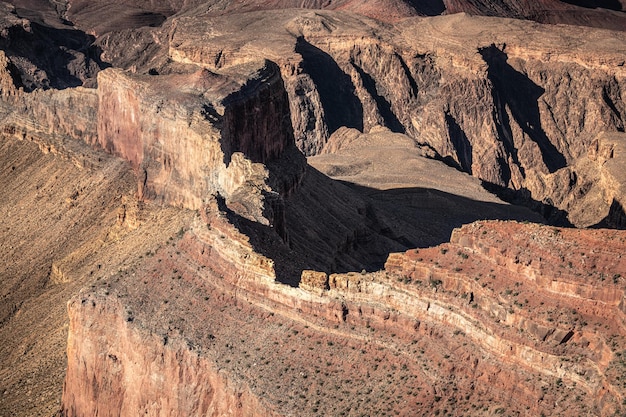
[455,328]
[222,274]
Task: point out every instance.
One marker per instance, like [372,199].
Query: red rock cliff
[116,368]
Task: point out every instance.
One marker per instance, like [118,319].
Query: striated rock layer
[498,106]
[494,102]
[161,378]
[455,327]
[219,267]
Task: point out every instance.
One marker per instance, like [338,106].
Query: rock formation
[417,337]
[155,176]
[445,92]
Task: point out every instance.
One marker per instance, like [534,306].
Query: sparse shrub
[435,282]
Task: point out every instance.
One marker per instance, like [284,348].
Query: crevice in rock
[461,143]
[14,72]
[337,93]
[257,120]
[607,95]
[382,104]
[407,72]
[505,135]
[518,93]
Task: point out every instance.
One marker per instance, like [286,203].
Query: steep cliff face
[129,368]
[608,152]
[498,107]
[491,314]
[503,113]
[67,219]
[256,118]
[208,117]
[174,149]
[212,136]
[45,114]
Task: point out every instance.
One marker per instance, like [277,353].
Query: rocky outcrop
[274,300]
[130,368]
[590,190]
[189,149]
[67,219]
[608,153]
[183,149]
[46,54]
[450,95]
[498,107]
[488,302]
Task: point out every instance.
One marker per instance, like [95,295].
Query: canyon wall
[185,150]
[45,114]
[497,106]
[252,308]
[184,147]
[551,328]
[601,14]
[117,369]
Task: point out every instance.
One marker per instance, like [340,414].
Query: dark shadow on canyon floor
[336,226]
[428,7]
[616,219]
[592,4]
[522,198]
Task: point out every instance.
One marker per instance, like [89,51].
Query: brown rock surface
[270,297]
[443,90]
[63,226]
[454,327]
[101,17]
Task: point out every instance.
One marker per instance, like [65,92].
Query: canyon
[312,208]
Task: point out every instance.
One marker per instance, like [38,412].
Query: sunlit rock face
[154,159]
